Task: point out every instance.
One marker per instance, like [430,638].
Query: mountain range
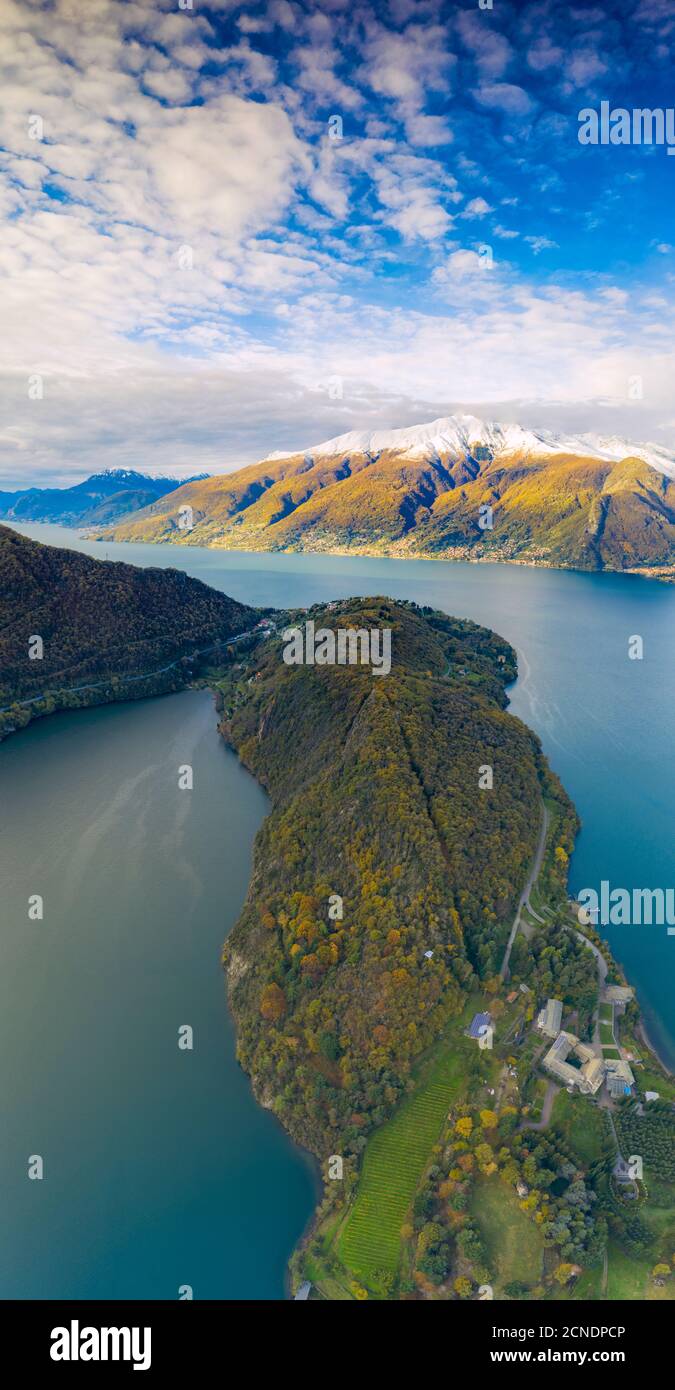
[97,501]
[579,501]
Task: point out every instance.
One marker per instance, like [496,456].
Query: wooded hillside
[376,798]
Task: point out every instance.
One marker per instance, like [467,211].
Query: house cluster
[576,1064]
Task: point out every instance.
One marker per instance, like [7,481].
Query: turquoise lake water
[160,1169]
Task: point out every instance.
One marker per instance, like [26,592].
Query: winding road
[525,895]
[126,680]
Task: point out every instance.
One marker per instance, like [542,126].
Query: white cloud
[544,54]
[504,96]
[487,338]
[583,65]
[540,243]
[427,131]
[153,363]
[403,66]
[490,49]
[477,207]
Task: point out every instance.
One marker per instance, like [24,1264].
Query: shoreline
[644,1037]
[663,574]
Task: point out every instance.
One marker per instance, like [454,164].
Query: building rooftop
[478,1025]
[620,1068]
[587,1078]
[617,1087]
[550,1018]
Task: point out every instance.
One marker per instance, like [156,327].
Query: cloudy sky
[236,228]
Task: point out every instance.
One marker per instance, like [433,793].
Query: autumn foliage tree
[272,1003]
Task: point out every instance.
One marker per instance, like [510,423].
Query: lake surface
[93,1000]
[160,1169]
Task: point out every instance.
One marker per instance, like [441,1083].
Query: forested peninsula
[407,920]
[376,798]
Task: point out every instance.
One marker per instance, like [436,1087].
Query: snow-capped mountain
[101,498]
[584,501]
[456,436]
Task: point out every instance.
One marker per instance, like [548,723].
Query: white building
[550,1018]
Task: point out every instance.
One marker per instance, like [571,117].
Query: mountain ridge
[75,631]
[456,488]
[97,500]
[460,433]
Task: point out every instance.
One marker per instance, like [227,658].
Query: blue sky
[235,228]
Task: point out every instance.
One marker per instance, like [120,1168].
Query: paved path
[605,1273]
[525,895]
[602,976]
[551,1093]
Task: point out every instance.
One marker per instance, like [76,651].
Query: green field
[606,1013]
[606,1034]
[583,1125]
[649,1080]
[393,1164]
[514,1244]
[535,1095]
[589,1285]
[628,1277]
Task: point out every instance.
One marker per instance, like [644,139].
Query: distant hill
[98,501]
[585,502]
[100,623]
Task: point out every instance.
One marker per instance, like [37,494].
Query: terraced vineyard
[393,1165]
